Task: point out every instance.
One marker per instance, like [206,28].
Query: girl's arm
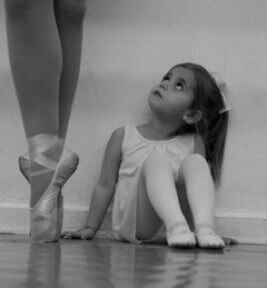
[104,189]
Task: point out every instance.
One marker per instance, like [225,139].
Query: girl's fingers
[80,234]
[71,235]
[64,234]
[87,234]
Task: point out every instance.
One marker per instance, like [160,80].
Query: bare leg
[195,173]
[69,17]
[36,63]
[158,200]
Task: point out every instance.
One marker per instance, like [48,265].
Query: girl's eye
[179,86]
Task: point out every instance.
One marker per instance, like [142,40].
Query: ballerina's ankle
[40,142]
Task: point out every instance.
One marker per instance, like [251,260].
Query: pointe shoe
[24,166]
[180,236]
[45,225]
[65,168]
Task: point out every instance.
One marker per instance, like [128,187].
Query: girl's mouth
[157,93]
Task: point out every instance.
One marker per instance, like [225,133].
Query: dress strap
[125,140]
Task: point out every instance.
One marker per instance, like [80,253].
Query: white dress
[135,150]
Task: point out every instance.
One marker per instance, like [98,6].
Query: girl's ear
[192,116]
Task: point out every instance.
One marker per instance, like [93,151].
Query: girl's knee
[194,161]
[194,166]
[73,10]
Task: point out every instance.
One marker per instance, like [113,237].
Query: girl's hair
[213,125]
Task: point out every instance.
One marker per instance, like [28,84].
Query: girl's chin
[155,107]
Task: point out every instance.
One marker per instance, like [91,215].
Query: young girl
[183,143]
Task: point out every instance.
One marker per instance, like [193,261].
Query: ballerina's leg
[36,64]
[69,16]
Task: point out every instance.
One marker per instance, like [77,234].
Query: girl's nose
[164,85]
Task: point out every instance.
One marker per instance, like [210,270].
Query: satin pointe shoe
[24,166]
[64,173]
[47,214]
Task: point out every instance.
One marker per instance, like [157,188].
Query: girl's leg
[36,63]
[158,202]
[195,173]
[69,17]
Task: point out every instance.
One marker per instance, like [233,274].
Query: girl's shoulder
[118,134]
[116,139]
[122,135]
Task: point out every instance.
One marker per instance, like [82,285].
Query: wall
[128,46]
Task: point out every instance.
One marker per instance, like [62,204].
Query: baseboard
[14,217]
[246,226]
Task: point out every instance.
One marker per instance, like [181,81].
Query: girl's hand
[83,233]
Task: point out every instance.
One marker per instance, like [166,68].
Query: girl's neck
[159,130]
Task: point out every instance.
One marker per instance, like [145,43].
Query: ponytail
[215,145]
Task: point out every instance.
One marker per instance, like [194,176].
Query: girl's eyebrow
[169,74]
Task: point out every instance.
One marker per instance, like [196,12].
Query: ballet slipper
[180,236]
[208,239]
[24,165]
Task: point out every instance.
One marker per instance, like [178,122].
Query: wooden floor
[107,263]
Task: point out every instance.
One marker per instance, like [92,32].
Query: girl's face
[174,94]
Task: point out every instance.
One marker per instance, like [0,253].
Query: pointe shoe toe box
[66,168]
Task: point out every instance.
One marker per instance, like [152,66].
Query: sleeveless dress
[135,150]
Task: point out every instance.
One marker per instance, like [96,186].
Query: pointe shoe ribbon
[24,166]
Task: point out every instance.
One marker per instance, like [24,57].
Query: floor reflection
[105,263]
[44,265]
[151,267]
